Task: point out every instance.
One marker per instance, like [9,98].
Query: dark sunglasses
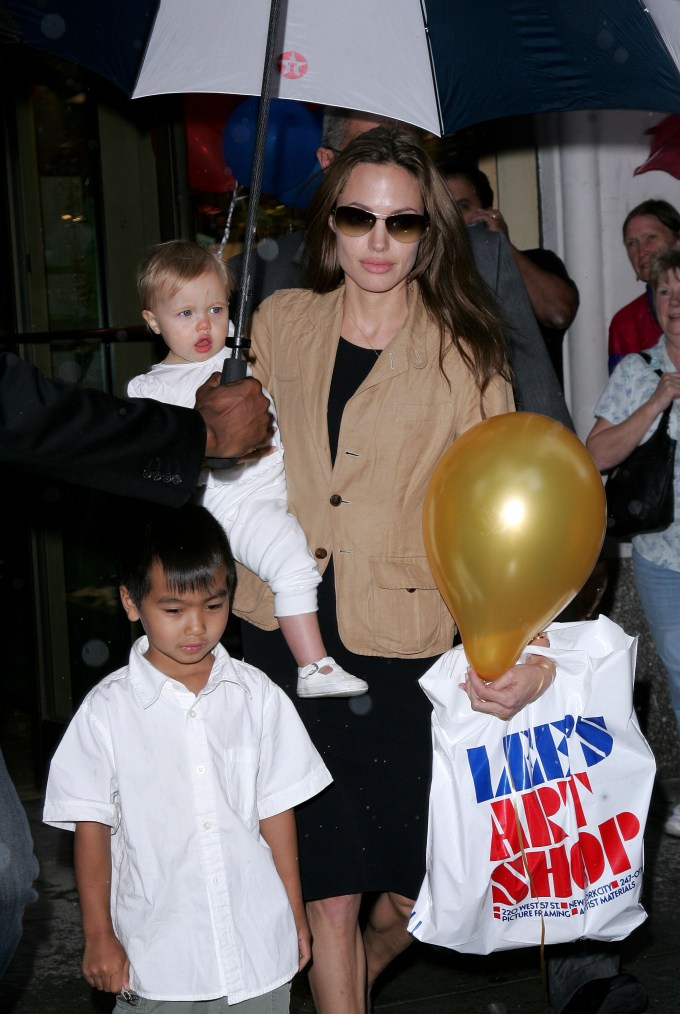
[354,222]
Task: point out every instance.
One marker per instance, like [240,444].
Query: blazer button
[336,500]
[321,553]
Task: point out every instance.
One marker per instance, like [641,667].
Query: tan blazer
[366,510]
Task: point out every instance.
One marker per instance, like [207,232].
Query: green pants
[276,1002]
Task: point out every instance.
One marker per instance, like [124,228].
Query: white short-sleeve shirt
[632,383]
[183,782]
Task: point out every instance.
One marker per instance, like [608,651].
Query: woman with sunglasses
[394,352]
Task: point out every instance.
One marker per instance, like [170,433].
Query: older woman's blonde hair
[663,263]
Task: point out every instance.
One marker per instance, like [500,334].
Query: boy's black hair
[188,543]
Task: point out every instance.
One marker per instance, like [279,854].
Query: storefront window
[64,115]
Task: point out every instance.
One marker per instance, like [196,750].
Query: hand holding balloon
[523,684]
[514,519]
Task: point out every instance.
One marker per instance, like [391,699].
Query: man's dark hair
[187,542]
[336,121]
[456,165]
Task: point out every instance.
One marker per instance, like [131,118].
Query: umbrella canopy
[439,64]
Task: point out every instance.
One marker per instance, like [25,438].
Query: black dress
[367,831]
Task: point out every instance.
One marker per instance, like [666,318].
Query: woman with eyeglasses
[393,353]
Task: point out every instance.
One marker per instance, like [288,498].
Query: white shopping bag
[536,825]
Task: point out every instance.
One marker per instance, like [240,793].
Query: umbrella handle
[234,369]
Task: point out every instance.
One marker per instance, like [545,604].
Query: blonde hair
[665,262]
[169,265]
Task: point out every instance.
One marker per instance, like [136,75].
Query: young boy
[184,292]
[179,774]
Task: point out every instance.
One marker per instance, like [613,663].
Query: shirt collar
[147,681]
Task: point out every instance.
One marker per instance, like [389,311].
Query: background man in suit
[554,296]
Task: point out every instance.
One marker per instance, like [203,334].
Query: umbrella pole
[235,367]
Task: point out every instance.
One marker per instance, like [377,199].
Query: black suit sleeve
[134,447]
[536,387]
[548,260]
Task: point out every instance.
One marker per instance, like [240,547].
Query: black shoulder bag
[639,490]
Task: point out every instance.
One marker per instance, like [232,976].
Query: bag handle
[648,359]
[666,414]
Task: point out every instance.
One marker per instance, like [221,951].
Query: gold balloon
[514,519]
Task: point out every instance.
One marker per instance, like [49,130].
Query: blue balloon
[291,171]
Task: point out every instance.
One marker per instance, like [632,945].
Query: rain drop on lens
[53,26]
[361,705]
[95,653]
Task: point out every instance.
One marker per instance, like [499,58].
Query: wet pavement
[44,976]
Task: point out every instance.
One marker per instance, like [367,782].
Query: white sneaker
[672,825]
[334,683]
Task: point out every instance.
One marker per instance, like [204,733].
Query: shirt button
[206,825]
[321,553]
[336,500]
[200,769]
[192,714]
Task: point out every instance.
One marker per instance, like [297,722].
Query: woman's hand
[609,444]
[667,390]
[523,684]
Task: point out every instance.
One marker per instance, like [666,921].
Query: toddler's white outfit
[264,537]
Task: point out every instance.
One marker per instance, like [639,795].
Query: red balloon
[204,120]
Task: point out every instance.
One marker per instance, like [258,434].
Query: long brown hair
[455,295]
